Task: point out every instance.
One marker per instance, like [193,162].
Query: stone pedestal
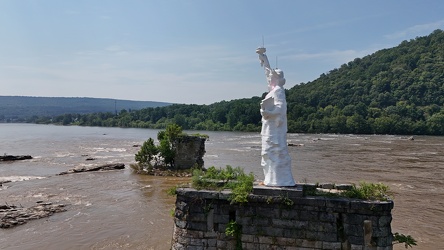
[280,218]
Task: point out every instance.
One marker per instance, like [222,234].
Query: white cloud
[335,56]
[416,30]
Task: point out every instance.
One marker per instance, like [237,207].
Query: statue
[276,161]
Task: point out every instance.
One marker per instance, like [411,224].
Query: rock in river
[11,216]
[81,169]
[14,157]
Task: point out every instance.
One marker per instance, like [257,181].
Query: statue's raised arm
[264,62]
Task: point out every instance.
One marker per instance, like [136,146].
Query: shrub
[235,179]
[368,191]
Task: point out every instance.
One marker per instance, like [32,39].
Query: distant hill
[22,107]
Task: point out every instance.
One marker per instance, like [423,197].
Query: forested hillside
[393,91]
[19,108]
[398,90]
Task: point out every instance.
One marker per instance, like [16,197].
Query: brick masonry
[276,218]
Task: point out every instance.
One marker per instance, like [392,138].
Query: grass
[240,184]
[365,191]
[368,191]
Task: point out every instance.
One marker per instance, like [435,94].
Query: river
[122,210]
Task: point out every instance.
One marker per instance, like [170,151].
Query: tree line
[392,91]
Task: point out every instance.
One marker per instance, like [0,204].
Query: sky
[192,51]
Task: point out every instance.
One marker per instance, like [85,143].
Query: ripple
[19,178]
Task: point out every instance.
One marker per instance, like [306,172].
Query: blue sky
[194,52]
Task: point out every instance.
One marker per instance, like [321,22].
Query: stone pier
[279,218]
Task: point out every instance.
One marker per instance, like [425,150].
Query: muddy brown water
[122,210]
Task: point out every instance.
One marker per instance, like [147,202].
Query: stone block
[291,214]
[294,233]
[300,225]
[180,223]
[318,226]
[265,247]
[265,240]
[356,240]
[311,244]
[247,210]
[207,194]
[179,214]
[327,185]
[248,238]
[328,217]
[343,186]
[354,219]
[353,229]
[183,240]
[201,226]
[220,227]
[309,187]
[221,218]
[197,242]
[197,207]
[221,244]
[181,205]
[329,227]
[197,217]
[251,230]
[275,232]
[195,234]
[313,201]
[309,216]
[312,235]
[283,241]
[280,223]
[177,246]
[382,232]
[247,221]
[210,235]
[356,247]
[328,236]
[179,232]
[289,192]
[384,221]
[268,212]
[246,245]
[224,195]
[331,245]
[370,207]
[224,209]
[260,221]
[212,243]
[338,203]
[384,241]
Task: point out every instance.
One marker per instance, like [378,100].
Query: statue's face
[274,79]
[277,78]
[281,80]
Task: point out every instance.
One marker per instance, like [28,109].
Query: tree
[147,152]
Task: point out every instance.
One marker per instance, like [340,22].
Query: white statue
[276,161]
